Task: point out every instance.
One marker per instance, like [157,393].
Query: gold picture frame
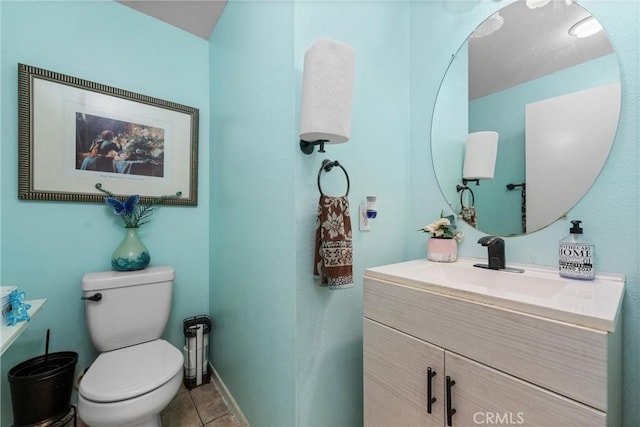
[74,133]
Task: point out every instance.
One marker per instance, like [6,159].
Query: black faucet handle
[495,248]
[490,240]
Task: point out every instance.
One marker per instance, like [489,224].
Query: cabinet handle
[430,400]
[450,410]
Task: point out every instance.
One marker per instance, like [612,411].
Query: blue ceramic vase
[131,254]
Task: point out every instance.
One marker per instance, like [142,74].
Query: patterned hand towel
[333,260]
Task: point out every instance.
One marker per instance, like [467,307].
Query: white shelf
[8,334]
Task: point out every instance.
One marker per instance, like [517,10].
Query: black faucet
[495,247]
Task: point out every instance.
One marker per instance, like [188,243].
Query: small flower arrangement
[443,228]
[133,213]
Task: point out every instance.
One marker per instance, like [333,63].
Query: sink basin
[490,281]
[538,291]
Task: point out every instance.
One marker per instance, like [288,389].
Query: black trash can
[41,388]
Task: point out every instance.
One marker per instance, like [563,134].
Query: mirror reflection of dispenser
[368,212]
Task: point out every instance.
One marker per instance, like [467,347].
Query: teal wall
[329,323]
[613,199]
[48,246]
[504,111]
[289,351]
[253,252]
[400,61]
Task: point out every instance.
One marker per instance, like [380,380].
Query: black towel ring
[327,165]
[461,189]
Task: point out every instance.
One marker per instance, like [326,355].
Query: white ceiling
[195,16]
[532,43]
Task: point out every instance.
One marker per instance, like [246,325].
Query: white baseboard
[226,395]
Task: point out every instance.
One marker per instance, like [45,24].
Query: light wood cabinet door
[567,359]
[485,396]
[396,379]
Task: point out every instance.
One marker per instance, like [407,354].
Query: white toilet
[137,374]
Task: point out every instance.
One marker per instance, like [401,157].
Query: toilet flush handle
[94,297]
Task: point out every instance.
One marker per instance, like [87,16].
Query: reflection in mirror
[554,99]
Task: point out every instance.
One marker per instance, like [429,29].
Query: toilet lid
[131,371]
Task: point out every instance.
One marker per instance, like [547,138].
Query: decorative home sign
[74,133]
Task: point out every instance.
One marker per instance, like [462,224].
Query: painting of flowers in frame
[73,133]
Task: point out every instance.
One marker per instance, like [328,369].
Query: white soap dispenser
[577,255]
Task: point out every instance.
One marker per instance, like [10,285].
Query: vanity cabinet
[504,366]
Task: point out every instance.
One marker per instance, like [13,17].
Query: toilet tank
[134,306]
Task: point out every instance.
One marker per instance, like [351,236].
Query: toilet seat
[131,371]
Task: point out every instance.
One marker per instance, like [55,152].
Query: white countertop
[539,291]
[8,334]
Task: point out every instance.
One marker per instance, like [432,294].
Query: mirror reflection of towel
[333,260]
[468,213]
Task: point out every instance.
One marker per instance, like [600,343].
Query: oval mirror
[543,76]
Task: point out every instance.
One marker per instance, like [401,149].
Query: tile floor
[200,406]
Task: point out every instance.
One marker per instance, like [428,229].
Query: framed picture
[74,133]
